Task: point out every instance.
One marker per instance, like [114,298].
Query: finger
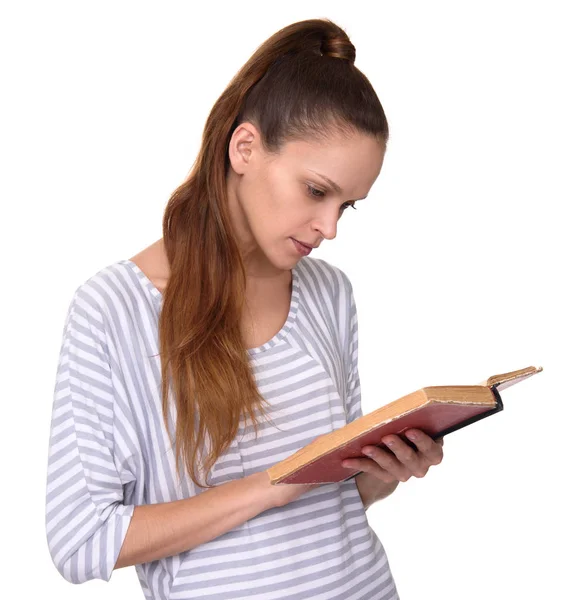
[412,460]
[431,450]
[391,471]
[400,459]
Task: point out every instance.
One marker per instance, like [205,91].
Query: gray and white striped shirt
[109,450]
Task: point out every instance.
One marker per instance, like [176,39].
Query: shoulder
[99,293]
[326,291]
[324,276]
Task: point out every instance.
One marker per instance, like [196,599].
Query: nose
[327,223]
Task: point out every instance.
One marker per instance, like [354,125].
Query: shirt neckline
[276,339]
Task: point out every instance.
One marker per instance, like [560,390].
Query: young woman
[165,356]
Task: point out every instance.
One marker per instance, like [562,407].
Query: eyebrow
[334,185]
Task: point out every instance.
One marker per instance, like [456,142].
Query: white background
[465,259]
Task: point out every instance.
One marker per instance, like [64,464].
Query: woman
[165,355]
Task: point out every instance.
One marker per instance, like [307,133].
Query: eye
[316,193]
[313,189]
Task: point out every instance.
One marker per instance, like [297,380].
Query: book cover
[436,410]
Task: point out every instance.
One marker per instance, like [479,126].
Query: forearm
[160,530]
[372,490]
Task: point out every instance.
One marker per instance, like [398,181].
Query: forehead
[349,161]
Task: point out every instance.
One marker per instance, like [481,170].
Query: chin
[285,263]
[285,260]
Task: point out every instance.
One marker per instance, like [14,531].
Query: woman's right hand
[284,493]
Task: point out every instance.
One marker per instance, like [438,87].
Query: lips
[302,249]
[304,244]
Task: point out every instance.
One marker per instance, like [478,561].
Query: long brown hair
[300,83]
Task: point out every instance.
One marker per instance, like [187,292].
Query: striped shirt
[109,450]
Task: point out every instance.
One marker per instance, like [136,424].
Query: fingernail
[412,435]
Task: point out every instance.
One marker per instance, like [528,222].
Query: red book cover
[436,410]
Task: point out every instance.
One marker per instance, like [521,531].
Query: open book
[436,410]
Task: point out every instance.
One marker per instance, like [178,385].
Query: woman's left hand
[401,461]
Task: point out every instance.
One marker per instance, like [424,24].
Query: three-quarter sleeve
[353,404]
[86,520]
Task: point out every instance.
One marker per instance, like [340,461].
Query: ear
[243,147]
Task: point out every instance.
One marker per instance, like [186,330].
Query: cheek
[273,205]
[267,218]
[277,206]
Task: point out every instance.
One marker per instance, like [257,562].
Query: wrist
[372,489]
